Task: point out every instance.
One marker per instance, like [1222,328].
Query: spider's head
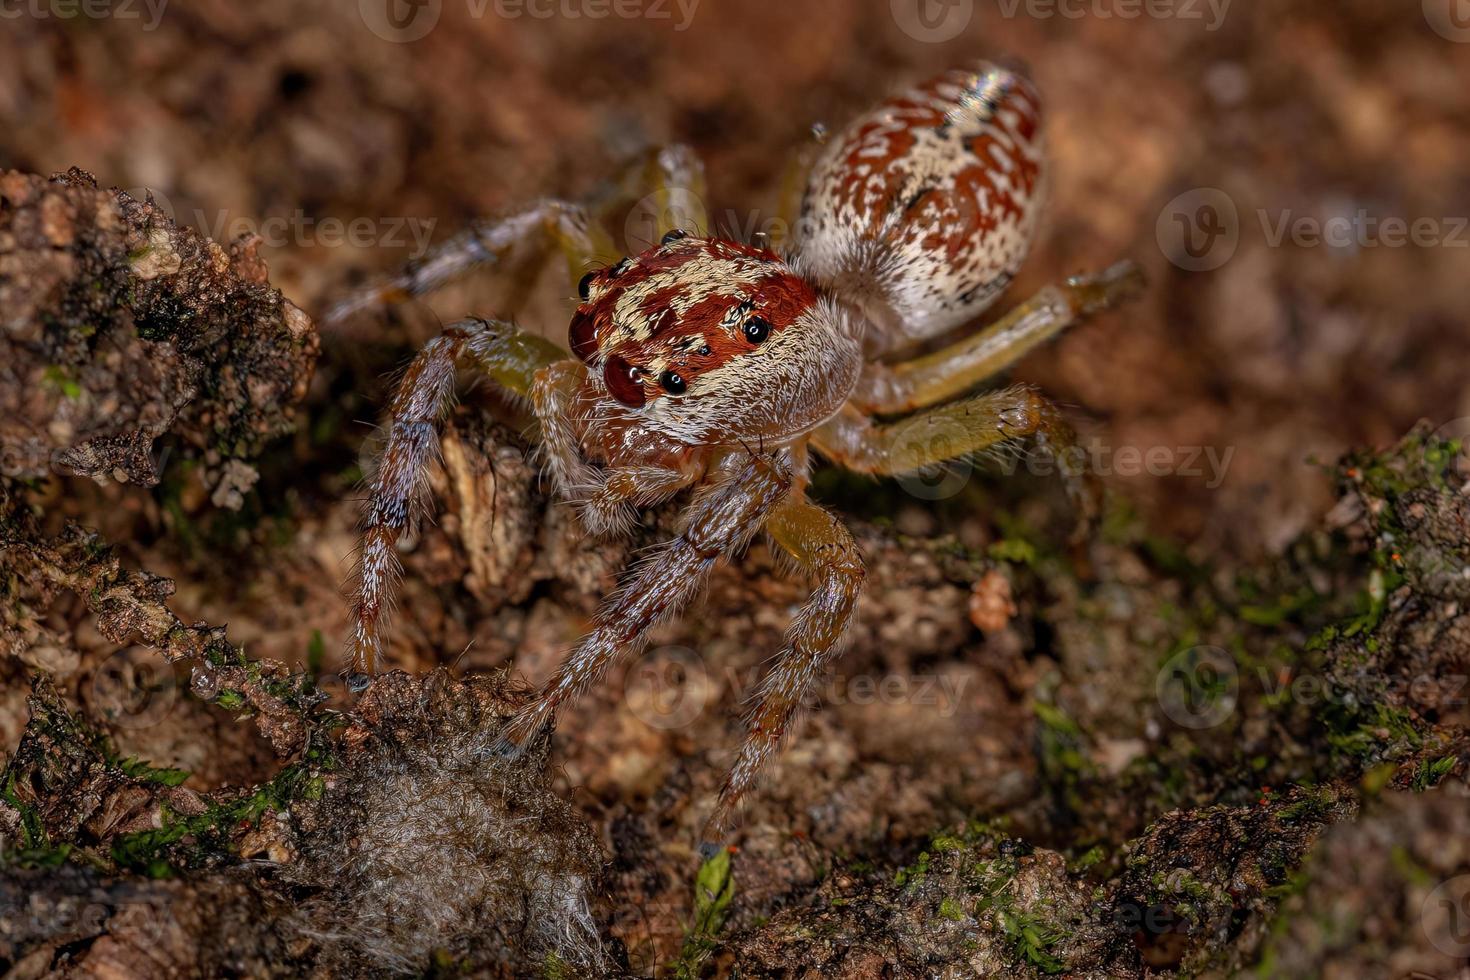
[712,342]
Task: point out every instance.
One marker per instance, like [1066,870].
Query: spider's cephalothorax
[708,364]
[707,343]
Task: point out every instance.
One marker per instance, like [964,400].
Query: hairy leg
[967,427]
[582,241]
[511,358]
[952,370]
[822,546]
[722,518]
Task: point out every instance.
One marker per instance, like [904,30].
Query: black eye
[672,383]
[584,288]
[757,329]
[673,236]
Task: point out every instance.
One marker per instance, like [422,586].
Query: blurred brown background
[239,113]
[1185,135]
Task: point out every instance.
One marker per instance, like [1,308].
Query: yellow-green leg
[957,430]
[955,369]
[669,190]
[822,546]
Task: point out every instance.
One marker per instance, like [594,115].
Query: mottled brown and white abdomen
[923,209]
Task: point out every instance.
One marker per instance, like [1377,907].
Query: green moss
[1428,773]
[158,852]
[141,770]
[914,873]
[56,377]
[952,910]
[33,831]
[1031,939]
[316,653]
[714,888]
[1014,551]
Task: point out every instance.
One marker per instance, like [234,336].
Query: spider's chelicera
[709,364]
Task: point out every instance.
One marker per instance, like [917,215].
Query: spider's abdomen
[922,210]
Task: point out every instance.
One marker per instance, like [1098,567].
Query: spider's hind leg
[510,357]
[822,546]
[951,370]
[969,427]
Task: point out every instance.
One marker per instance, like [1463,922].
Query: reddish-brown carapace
[714,367]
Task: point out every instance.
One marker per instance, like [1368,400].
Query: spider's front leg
[721,519]
[582,241]
[510,357]
[822,546]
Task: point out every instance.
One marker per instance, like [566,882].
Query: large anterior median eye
[757,329]
[673,383]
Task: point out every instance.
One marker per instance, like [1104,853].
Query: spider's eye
[672,383]
[673,236]
[703,351]
[757,329]
[584,287]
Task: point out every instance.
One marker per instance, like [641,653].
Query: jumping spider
[711,364]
